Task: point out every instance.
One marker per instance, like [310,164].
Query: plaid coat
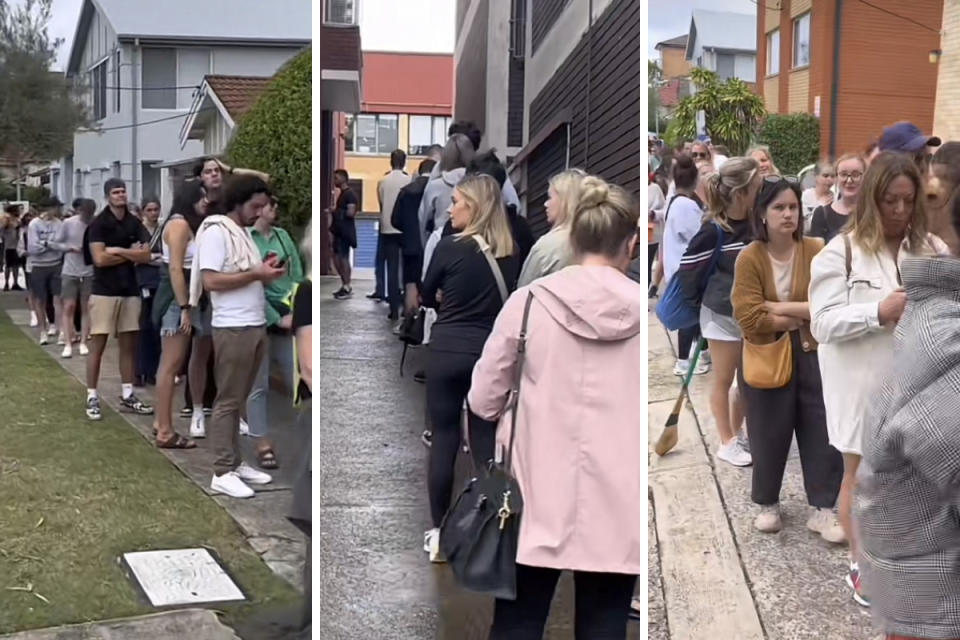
[907,501]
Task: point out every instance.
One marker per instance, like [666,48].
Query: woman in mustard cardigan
[780,375]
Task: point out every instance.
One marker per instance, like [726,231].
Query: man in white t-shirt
[232,272]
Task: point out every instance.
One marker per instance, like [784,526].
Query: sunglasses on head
[779,179]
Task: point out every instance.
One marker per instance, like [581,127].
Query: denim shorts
[170,323]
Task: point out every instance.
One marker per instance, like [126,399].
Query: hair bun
[594,191]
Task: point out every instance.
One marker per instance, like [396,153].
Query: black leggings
[448,381]
[652,253]
[602,605]
[686,338]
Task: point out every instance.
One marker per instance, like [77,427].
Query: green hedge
[794,140]
[275,136]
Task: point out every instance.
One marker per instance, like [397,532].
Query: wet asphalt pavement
[370,508]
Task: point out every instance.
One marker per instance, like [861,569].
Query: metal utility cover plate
[177,577]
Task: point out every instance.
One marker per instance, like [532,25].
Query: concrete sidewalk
[262,518]
[372,498]
[712,575]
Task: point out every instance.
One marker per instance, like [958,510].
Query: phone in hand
[273,259]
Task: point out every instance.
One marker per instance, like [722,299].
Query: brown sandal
[267,459]
[176,441]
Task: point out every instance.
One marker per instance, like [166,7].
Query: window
[773,52]
[116,82]
[159,78]
[801,41]
[340,12]
[726,66]
[98,90]
[518,28]
[151,179]
[426,131]
[372,133]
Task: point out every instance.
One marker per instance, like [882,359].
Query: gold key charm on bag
[504,511]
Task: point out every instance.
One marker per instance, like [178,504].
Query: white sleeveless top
[187,257]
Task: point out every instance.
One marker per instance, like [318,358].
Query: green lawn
[75,495]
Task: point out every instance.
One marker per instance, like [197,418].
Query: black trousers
[651,255]
[602,605]
[774,416]
[448,381]
[148,356]
[686,338]
[210,393]
[390,248]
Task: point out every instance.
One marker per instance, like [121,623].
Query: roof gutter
[835,79]
[248,42]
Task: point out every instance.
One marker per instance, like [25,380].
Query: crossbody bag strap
[517,377]
[494,267]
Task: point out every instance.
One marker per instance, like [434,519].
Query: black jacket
[405,215]
[696,261]
[522,234]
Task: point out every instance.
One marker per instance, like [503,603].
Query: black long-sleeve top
[471,299]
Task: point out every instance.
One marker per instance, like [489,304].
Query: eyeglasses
[856,176]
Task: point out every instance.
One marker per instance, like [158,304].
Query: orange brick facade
[884,72]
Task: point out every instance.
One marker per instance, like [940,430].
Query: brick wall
[946,120]
[799,91]
[771,94]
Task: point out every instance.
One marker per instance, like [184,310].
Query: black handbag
[411,333]
[479,534]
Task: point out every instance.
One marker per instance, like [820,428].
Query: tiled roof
[679,41]
[237,93]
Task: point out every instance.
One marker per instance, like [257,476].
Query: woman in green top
[272,239]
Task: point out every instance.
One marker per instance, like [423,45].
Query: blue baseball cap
[907,137]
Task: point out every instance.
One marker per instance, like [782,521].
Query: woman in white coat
[856,298]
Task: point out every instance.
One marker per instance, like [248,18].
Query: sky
[671,18]
[422,26]
[62,25]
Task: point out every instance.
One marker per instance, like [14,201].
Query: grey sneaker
[733,453]
[93,409]
[743,440]
[133,404]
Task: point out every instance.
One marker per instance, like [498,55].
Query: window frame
[773,61]
[797,21]
[350,136]
[447,121]
[176,81]
[97,76]
[118,100]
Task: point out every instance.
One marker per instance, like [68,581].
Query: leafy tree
[732,111]
[39,111]
[794,140]
[654,82]
[274,136]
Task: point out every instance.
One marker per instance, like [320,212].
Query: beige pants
[237,354]
[111,315]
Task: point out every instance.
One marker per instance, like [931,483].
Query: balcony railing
[340,12]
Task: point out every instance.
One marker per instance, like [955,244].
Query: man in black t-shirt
[116,243]
[344,229]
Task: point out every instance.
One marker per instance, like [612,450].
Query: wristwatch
[186,307]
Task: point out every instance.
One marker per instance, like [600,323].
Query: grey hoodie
[436,201]
[41,235]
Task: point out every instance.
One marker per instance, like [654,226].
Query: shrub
[794,140]
[274,136]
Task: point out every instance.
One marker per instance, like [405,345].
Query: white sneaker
[198,426]
[681,367]
[244,427]
[251,475]
[61,339]
[431,544]
[705,358]
[825,522]
[67,352]
[34,322]
[84,351]
[743,440]
[44,340]
[51,331]
[230,484]
[733,453]
[769,520]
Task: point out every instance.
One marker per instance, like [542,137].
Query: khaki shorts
[110,315]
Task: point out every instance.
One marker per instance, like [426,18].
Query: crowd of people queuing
[213,294]
[468,260]
[830,313]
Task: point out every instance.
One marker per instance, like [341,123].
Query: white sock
[92,393]
[127,390]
